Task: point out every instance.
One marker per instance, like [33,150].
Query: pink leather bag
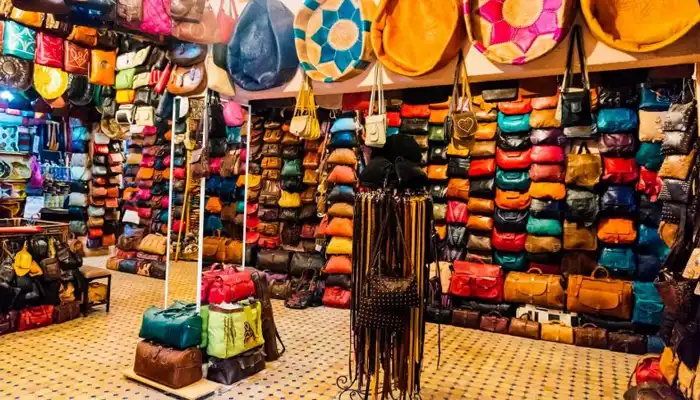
[156,17]
[233,114]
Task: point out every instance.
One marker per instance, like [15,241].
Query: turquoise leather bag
[512,180]
[649,242]
[19,41]
[344,124]
[178,326]
[648,307]
[514,123]
[510,261]
[543,226]
[649,155]
[612,120]
[618,260]
[291,168]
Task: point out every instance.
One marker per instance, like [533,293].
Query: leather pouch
[677,166]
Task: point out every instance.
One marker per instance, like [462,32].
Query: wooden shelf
[13,153]
[600,57]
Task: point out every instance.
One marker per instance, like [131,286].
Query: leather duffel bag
[66,312]
[303,261]
[167,366]
[534,288]
[627,342]
[277,261]
[466,318]
[214,248]
[601,296]
[524,327]
[589,335]
[228,371]
[179,325]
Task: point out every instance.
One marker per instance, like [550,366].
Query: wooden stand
[194,391]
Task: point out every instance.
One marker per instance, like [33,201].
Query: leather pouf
[332,38]
[261,53]
[415,37]
[517,31]
[640,25]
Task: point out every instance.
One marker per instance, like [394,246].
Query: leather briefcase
[227,371]
[466,318]
[590,335]
[167,366]
[607,297]
[534,288]
[66,312]
[523,327]
[627,342]
[493,322]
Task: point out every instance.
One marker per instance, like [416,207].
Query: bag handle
[589,325]
[377,91]
[539,271]
[583,148]
[576,40]
[494,314]
[607,274]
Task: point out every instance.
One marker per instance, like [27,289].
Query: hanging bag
[461,122]
[574,108]
[305,123]
[375,124]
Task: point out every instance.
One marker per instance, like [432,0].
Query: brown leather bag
[627,342]
[534,288]
[523,327]
[466,318]
[579,237]
[589,335]
[167,366]
[677,166]
[493,322]
[579,262]
[188,81]
[214,248]
[583,168]
[542,244]
[480,206]
[66,312]
[601,296]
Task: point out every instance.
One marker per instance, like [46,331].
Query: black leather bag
[292,152]
[673,212]
[268,214]
[417,126]
[618,200]
[342,194]
[291,234]
[228,371]
[575,103]
[289,214]
[292,184]
[438,192]
[458,167]
[304,261]
[456,235]
[277,261]
[438,155]
[512,142]
[649,212]
[482,188]
[452,254]
[551,209]
[504,309]
[339,280]
[496,95]
[678,142]
[510,221]
[582,206]
[675,190]
[618,97]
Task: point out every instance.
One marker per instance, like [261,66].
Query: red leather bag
[508,241]
[547,154]
[547,172]
[269,242]
[620,170]
[648,370]
[483,281]
[49,50]
[393,119]
[457,212]
[509,160]
[415,111]
[482,167]
[231,287]
[338,265]
[252,237]
[649,183]
[336,297]
[208,278]
[35,317]
[520,106]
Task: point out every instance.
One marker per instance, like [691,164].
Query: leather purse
[550,137]
[515,107]
[547,172]
[547,190]
[477,242]
[188,81]
[611,120]
[544,118]
[618,200]
[674,190]
[484,149]
[547,154]
[617,231]
[486,131]
[458,167]
[458,188]
[438,155]
[510,160]
[508,241]
[102,67]
[583,169]
[456,212]
[534,288]
[677,166]
[494,322]
[575,103]
[496,95]
[512,180]
[512,200]
[543,226]
[513,142]
[414,126]
[439,173]
[510,221]
[582,206]
[480,223]
[620,170]
[579,237]
[542,244]
[480,206]
[600,296]
[546,208]
[456,235]
[49,50]
[513,123]
[483,188]
[483,281]
[511,261]
[589,335]
[650,129]
[648,306]
[524,327]
[676,142]
[482,168]
[616,144]
[618,97]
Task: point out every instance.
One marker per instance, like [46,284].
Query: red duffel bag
[648,370]
[231,287]
[508,241]
[336,297]
[483,281]
[35,317]
[208,277]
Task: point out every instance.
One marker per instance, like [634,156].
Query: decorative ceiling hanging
[517,31]
[332,38]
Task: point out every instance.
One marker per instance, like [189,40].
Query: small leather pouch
[677,166]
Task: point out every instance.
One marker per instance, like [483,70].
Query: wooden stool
[92,274]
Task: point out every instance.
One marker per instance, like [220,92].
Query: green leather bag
[291,168]
[512,180]
[234,331]
[543,226]
[125,79]
[178,326]
[510,261]
[436,133]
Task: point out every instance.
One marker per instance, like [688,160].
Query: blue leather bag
[233,134]
[618,199]
[178,326]
[344,124]
[129,265]
[618,260]
[649,156]
[19,41]
[543,226]
[240,207]
[648,307]
[648,267]
[658,97]
[227,190]
[261,52]
[512,180]
[213,185]
[343,139]
[79,146]
[514,123]
[649,242]
[341,194]
[655,345]
[511,261]
[612,120]
[212,225]
[392,130]
[163,217]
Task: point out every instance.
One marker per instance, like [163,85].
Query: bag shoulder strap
[576,40]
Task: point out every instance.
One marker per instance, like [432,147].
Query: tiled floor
[81,359]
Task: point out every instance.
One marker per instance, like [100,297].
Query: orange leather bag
[338,265]
[479,223]
[601,296]
[342,174]
[480,206]
[534,287]
[437,172]
[339,227]
[548,190]
[458,188]
[617,231]
[102,64]
[486,130]
[512,200]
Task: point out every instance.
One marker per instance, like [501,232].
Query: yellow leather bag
[289,200]
[339,246]
[153,244]
[125,96]
[668,364]
[29,18]
[413,38]
[544,119]
[50,82]
[23,262]
[555,331]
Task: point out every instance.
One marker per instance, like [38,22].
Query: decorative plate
[517,31]
[332,38]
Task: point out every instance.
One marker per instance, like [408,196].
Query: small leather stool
[92,274]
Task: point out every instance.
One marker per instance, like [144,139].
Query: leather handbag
[512,200]
[456,212]
[542,244]
[494,322]
[102,67]
[534,288]
[484,149]
[611,120]
[547,190]
[508,241]
[458,188]
[617,231]
[677,166]
[620,170]
[483,281]
[675,142]
[49,50]
[547,172]
[188,81]
[187,10]
[618,200]
[600,296]
[513,142]
[546,208]
[480,206]
[35,317]
[547,154]
[510,160]
[476,242]
[303,261]
[513,123]
[458,167]
[627,342]
[583,169]
[556,331]
[482,168]
[550,137]
[543,226]
[202,30]
[544,118]
[650,129]
[579,237]
[648,307]
[512,180]
[511,261]
[575,103]
[480,223]
[178,326]
[618,97]
[616,144]
[524,327]
[170,367]
[680,117]
[674,190]
[486,131]
[438,173]
[589,335]
[514,107]
[582,206]
[510,221]
[466,318]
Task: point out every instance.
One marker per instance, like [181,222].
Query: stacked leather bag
[254,179]
[80,173]
[103,213]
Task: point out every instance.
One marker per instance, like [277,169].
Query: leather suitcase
[8,322]
[167,366]
[228,371]
[66,312]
